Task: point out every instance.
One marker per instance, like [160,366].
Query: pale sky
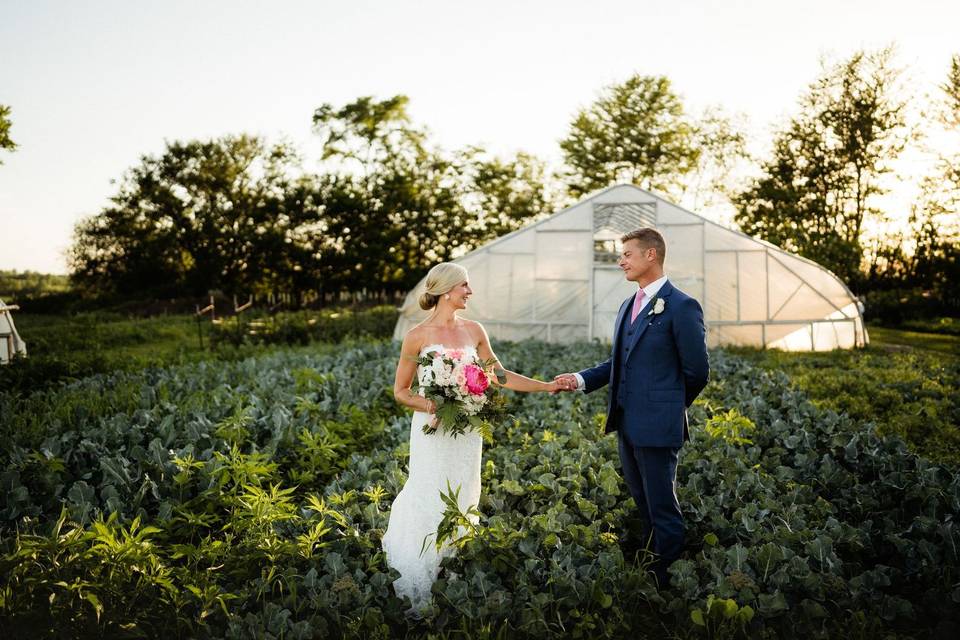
[95,85]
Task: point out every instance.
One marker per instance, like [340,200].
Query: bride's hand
[566,382]
[431,411]
[555,386]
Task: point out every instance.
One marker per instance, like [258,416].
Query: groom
[657,367]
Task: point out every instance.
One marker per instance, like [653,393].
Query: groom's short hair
[649,238]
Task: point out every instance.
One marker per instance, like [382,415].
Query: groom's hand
[566,381]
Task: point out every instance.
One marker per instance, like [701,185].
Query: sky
[96,85]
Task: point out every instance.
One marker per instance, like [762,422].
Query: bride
[436,458]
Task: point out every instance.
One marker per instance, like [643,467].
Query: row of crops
[247,500]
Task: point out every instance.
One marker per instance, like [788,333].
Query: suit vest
[625,333]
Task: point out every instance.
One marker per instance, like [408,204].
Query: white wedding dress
[435,460]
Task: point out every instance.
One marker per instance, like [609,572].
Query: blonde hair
[441,279]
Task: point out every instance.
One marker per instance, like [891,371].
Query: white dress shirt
[649,292]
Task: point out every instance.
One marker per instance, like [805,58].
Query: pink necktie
[637,305]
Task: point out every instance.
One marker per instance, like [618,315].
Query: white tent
[557,279]
[10,342]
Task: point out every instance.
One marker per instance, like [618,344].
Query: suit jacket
[663,366]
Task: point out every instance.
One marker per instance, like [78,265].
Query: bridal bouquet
[460,386]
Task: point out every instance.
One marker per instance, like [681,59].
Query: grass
[143,340]
[897,338]
[65,347]
[62,348]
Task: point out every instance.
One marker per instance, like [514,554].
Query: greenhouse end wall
[557,280]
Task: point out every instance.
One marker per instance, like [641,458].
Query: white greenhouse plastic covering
[10,342]
[557,280]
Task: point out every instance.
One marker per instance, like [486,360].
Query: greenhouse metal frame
[557,279]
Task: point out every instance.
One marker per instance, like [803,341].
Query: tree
[6,143]
[914,271]
[818,188]
[370,135]
[395,205]
[937,231]
[951,91]
[220,214]
[238,215]
[721,146]
[636,132]
[388,204]
[639,132]
[502,194]
[934,263]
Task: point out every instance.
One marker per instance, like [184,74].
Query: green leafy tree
[15,285]
[820,185]
[224,214]
[240,216]
[390,204]
[639,132]
[722,148]
[636,132]
[369,135]
[6,143]
[393,205]
[503,194]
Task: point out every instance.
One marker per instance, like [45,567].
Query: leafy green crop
[247,500]
[910,393]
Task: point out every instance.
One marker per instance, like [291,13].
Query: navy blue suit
[657,367]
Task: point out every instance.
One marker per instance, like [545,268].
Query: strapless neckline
[445,348]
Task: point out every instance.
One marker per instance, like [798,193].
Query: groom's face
[636,261]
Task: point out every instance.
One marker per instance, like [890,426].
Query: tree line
[818,190]
[244,216]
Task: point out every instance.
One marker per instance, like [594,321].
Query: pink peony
[477,381]
[455,354]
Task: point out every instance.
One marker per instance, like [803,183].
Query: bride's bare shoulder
[416,336]
[475,329]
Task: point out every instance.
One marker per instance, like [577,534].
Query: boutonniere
[658,306]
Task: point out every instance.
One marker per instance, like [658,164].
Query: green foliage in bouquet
[454,416]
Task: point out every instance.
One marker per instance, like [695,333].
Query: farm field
[246,498]
[202,289]
[909,391]
[69,347]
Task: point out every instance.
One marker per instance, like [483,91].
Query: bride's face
[460,294]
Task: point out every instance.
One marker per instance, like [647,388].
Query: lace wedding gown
[435,459]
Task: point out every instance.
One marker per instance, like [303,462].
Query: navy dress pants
[651,477]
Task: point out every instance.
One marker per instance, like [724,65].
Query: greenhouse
[558,280]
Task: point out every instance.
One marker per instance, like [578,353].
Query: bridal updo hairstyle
[440,279]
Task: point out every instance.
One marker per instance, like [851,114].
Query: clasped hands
[564,382]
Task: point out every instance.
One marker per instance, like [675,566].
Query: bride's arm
[406,369]
[515,381]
